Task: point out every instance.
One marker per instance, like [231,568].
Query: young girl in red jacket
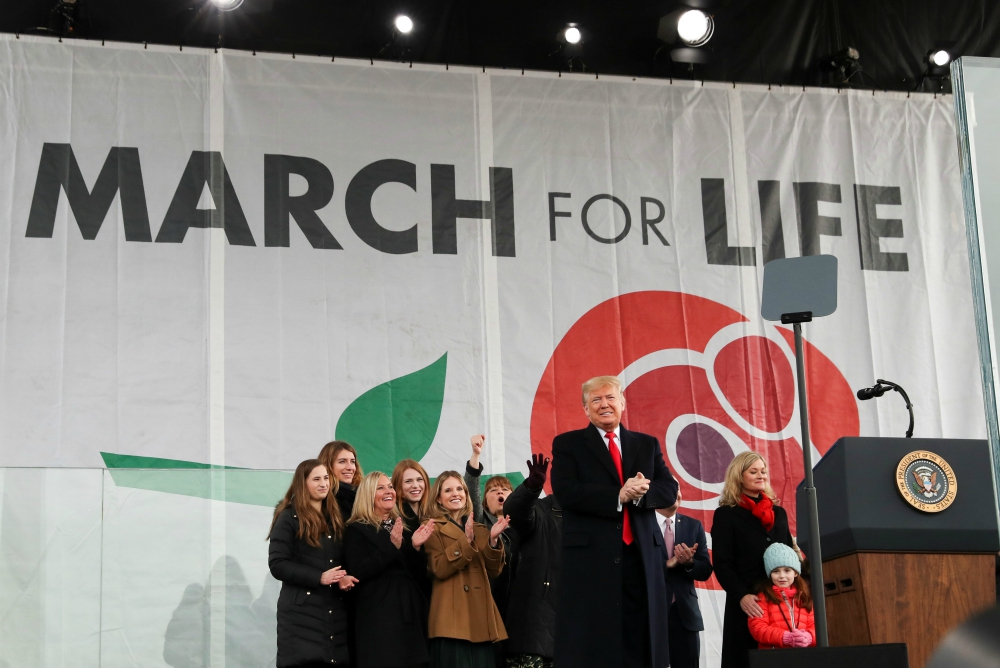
[787,605]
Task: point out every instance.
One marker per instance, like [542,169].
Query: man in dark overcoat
[612,609]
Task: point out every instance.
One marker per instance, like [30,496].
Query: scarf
[763,510]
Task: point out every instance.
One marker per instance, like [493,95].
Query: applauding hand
[684,554]
[347,582]
[634,488]
[396,535]
[331,576]
[470,530]
[497,529]
[422,533]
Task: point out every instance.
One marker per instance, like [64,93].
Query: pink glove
[788,639]
[802,638]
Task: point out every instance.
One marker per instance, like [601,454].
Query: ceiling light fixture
[685,30]
[695,27]
[939,58]
[226,5]
[404,24]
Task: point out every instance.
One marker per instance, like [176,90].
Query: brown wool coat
[461,604]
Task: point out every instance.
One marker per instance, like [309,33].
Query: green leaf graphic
[397,419]
[204,481]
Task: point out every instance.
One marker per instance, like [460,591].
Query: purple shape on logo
[704,452]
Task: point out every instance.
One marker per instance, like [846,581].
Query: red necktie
[616,457]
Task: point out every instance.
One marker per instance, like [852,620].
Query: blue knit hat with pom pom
[779,555]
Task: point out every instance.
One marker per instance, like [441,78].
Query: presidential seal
[926,481]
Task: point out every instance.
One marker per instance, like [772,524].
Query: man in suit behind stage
[612,608]
[687,561]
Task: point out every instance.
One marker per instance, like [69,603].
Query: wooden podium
[893,572]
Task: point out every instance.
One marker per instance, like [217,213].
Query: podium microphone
[881,387]
[877,390]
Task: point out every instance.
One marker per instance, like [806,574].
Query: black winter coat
[586,482]
[345,499]
[531,628]
[391,611]
[738,544]
[312,618]
[424,579]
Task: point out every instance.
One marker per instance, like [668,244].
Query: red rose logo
[705,387]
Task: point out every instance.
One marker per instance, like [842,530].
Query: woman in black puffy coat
[306,553]
[391,611]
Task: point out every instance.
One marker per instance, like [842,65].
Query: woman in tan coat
[462,556]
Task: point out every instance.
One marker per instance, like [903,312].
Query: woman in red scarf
[747,521]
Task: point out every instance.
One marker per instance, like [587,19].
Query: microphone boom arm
[906,398]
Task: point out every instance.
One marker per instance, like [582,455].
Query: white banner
[226,259]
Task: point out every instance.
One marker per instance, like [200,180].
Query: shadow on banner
[251,636]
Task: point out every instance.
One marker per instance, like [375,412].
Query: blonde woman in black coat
[391,610]
[747,521]
[306,555]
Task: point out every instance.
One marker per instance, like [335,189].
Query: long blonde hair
[364,501]
[732,489]
[423,508]
[439,512]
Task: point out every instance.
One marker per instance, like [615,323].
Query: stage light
[404,24]
[695,27]
[226,5]
[939,58]
[572,34]
[686,29]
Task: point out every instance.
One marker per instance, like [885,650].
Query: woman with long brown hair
[747,521]
[341,460]
[391,612]
[305,554]
[464,621]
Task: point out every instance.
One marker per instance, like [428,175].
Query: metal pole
[812,508]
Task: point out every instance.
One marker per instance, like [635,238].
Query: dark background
[755,41]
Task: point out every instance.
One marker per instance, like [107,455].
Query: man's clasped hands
[634,488]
